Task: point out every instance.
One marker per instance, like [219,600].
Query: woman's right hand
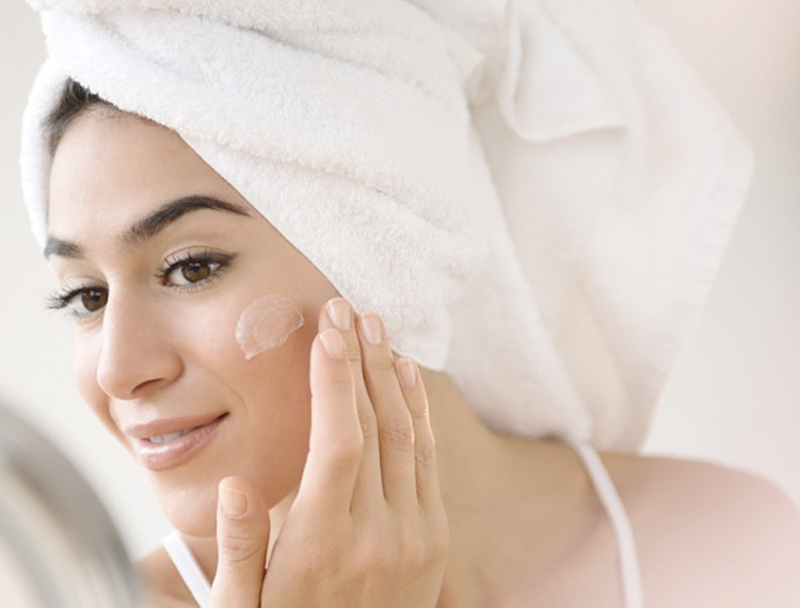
[368,527]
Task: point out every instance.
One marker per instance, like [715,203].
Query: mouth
[168,443]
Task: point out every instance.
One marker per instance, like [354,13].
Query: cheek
[268,399]
[269,388]
[264,336]
[267,323]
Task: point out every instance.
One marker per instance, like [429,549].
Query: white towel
[534,195]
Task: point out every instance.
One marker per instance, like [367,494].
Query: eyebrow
[65,249]
[151,225]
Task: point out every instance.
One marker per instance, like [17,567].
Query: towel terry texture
[535,195]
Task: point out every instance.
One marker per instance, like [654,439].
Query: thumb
[242,536]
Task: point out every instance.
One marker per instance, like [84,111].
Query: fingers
[386,471]
[339,313]
[427,475]
[242,537]
[370,455]
[395,430]
[335,441]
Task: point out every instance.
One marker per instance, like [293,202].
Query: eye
[93,300]
[193,270]
[81,303]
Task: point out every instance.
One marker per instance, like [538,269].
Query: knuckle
[239,548]
[332,388]
[425,454]
[376,556]
[338,385]
[353,350]
[368,422]
[414,553]
[418,408]
[380,362]
[344,452]
[397,434]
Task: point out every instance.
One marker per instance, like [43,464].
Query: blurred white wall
[734,396]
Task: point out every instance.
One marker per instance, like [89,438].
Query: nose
[137,354]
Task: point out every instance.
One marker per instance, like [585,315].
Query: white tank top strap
[626,545]
[188,568]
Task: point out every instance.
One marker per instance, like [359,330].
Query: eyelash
[210,258]
[217,261]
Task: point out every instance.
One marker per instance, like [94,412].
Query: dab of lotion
[267,323]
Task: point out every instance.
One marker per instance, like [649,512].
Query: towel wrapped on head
[534,195]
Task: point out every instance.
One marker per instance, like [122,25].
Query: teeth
[170,437]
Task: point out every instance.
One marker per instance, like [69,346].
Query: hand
[368,527]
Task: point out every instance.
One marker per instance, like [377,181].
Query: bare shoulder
[703,482]
[163,588]
[709,535]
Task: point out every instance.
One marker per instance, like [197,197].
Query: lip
[159,456]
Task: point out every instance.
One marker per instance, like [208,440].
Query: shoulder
[163,588]
[711,533]
[703,482]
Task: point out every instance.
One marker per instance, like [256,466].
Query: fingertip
[229,482]
[237,497]
[333,343]
[233,500]
[407,371]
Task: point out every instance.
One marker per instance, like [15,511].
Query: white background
[734,395]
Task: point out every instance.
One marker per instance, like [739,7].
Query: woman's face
[157,292]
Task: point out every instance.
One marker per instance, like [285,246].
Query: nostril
[143,386]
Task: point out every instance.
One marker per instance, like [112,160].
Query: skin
[506,520]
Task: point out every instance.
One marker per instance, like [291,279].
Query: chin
[190,510]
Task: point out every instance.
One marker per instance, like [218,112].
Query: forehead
[111,169]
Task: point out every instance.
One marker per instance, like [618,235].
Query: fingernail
[340,313]
[333,343]
[372,327]
[408,375]
[234,502]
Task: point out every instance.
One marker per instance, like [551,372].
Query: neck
[474,465]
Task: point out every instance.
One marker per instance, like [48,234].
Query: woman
[195,324]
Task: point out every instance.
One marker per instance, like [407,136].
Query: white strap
[188,568]
[626,545]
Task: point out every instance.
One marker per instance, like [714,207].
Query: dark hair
[74,100]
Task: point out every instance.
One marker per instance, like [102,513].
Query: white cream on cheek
[267,323]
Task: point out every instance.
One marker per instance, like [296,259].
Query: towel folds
[534,195]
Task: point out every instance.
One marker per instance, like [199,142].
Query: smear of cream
[267,323]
